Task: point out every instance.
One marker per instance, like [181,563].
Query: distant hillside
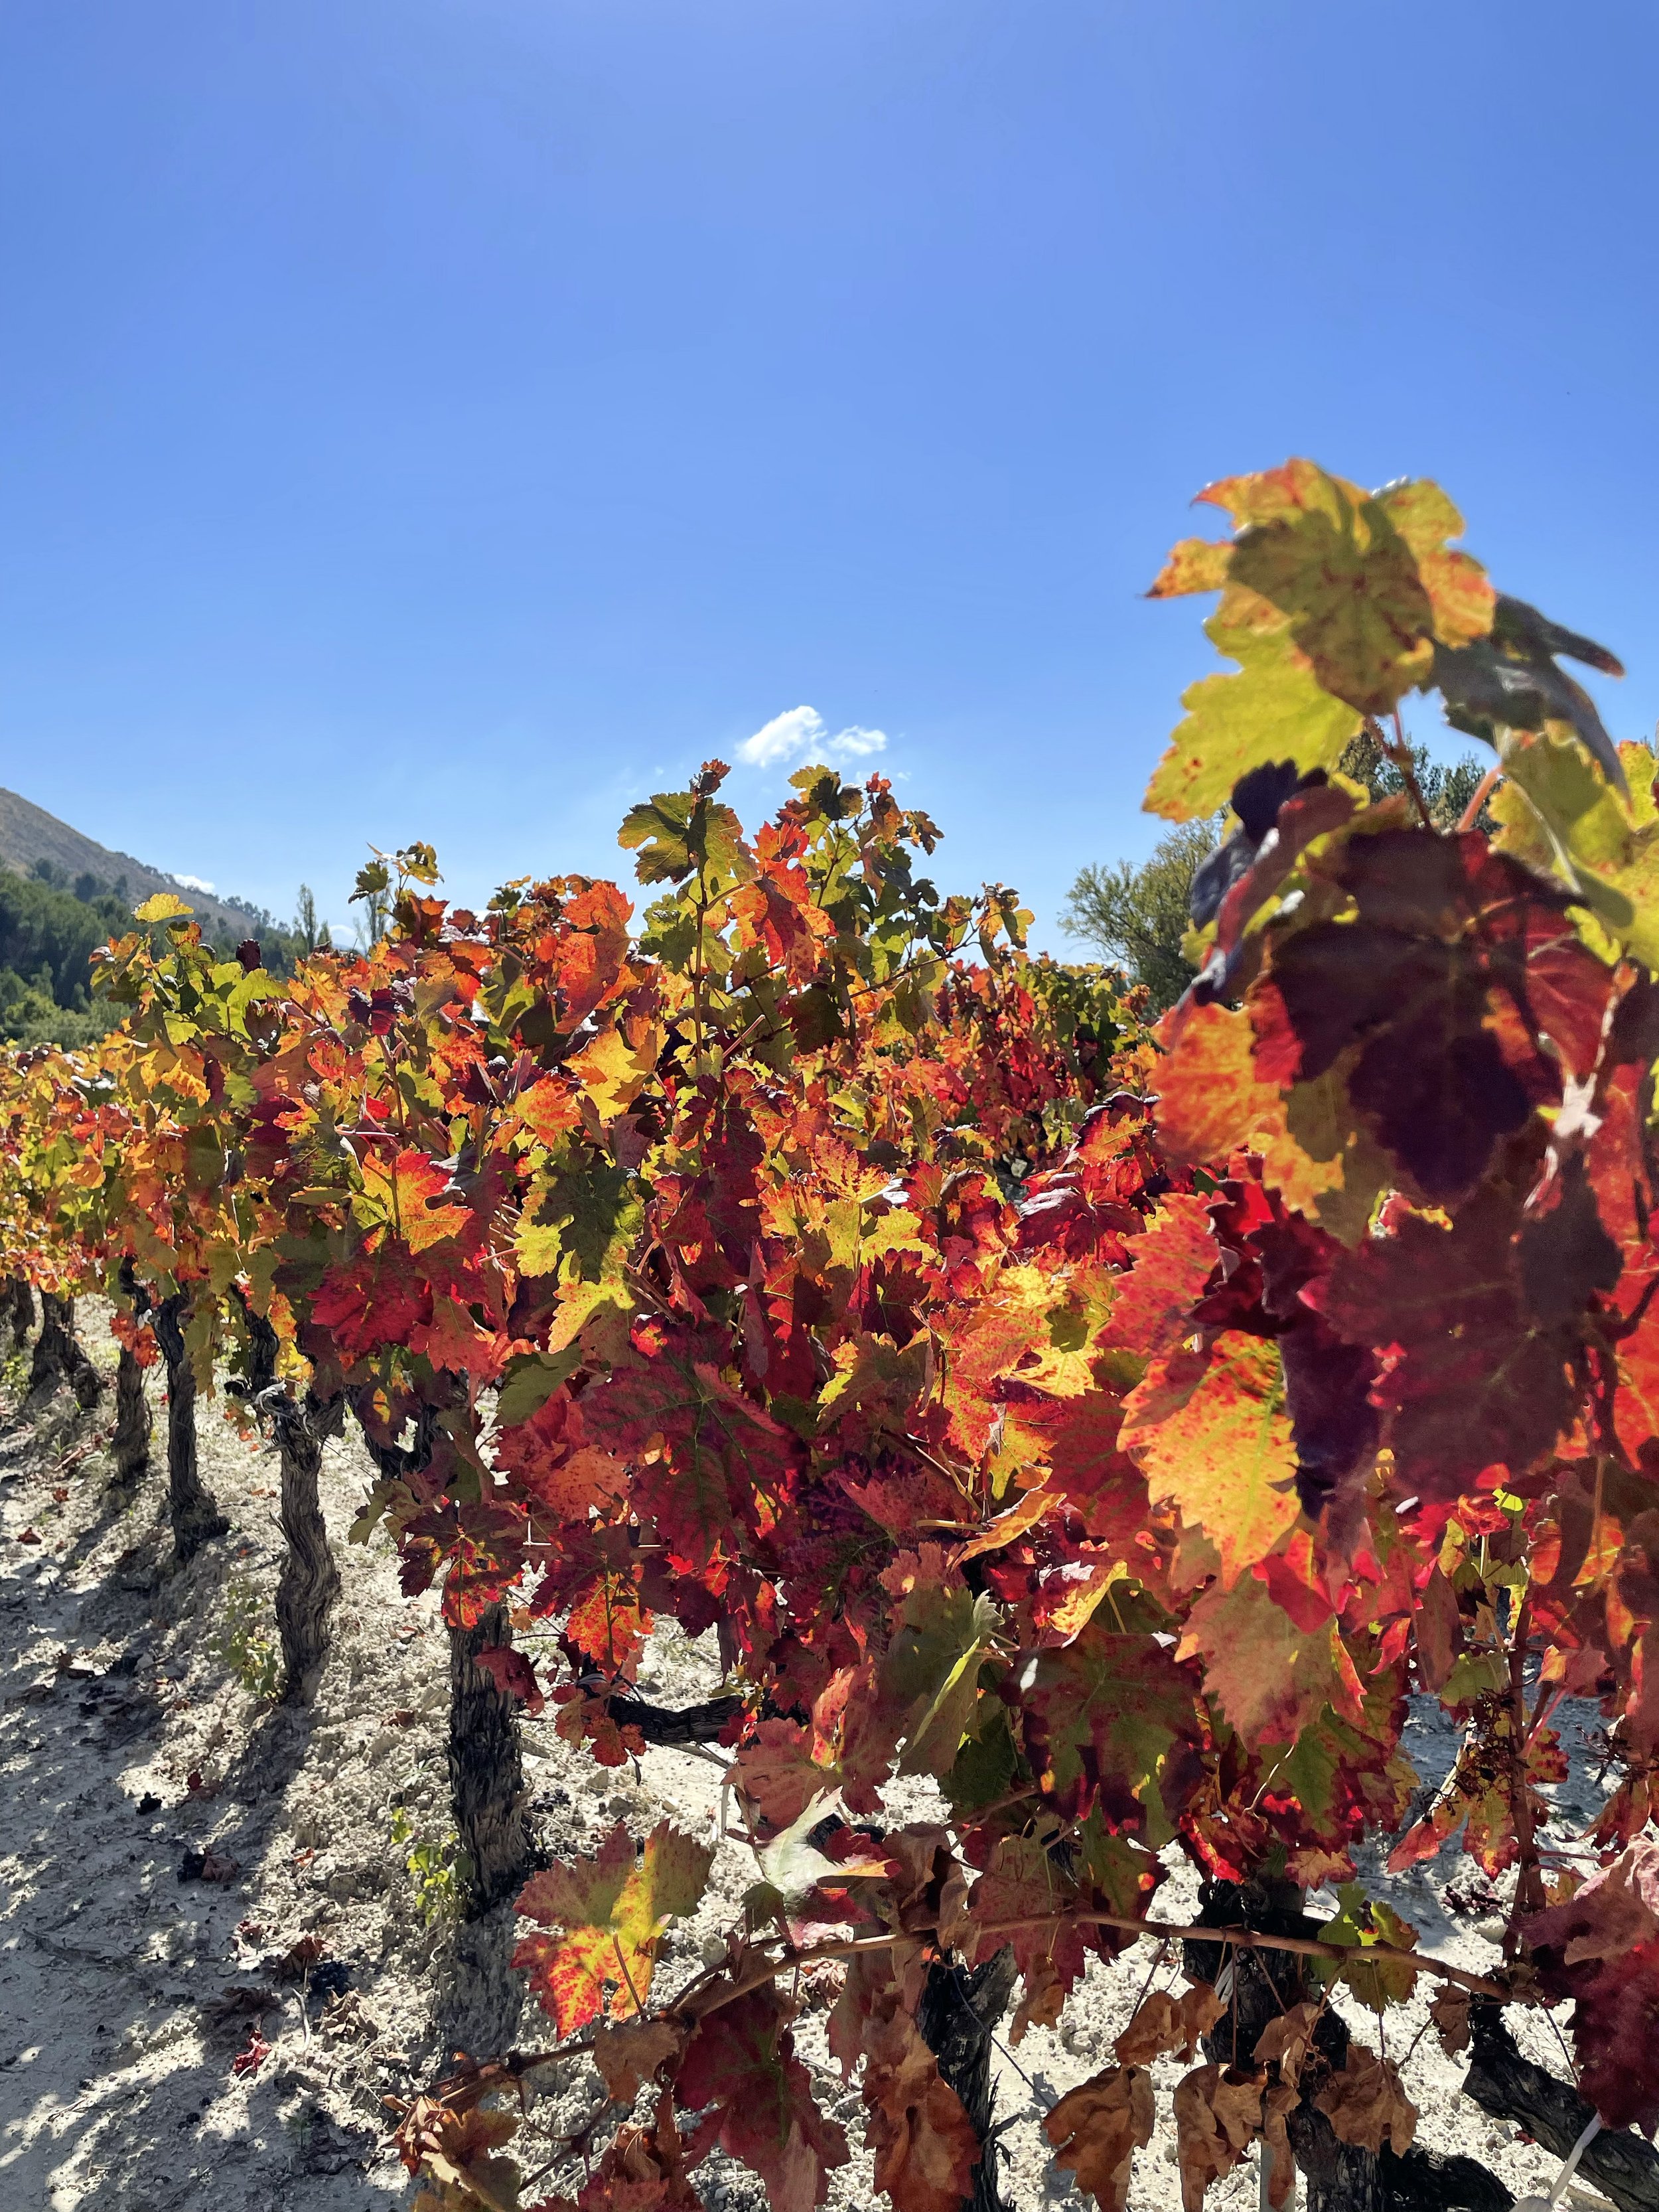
[28,834]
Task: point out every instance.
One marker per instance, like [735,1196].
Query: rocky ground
[227,1930]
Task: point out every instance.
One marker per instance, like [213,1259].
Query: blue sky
[454,418]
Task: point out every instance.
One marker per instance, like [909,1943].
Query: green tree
[1137,913]
[1446,791]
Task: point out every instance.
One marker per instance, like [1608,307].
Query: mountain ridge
[28,834]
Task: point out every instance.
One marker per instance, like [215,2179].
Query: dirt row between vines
[226,1930]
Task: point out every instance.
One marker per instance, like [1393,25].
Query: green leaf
[1557,811]
[373,877]
[678,832]
[530,1381]
[1363,1922]
[1273,709]
[931,1672]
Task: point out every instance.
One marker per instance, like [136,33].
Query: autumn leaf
[604,1915]
[1210,1430]
[612,1071]
[1098,1717]
[708,1458]
[1472,1376]
[1557,811]
[629,2053]
[1339,571]
[1269,1675]
[380,1300]
[1173,1261]
[1454,997]
[1218,2115]
[1600,1947]
[1364,583]
[405,1194]
[512,1674]
[1165,2025]
[1211,1098]
[741,2061]
[1365,2103]
[1096,2128]
[1273,709]
[1022,1883]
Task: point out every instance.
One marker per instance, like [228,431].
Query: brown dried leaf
[1167,2026]
[1287,2038]
[1096,2128]
[238,2002]
[925,2146]
[628,2052]
[1276,2106]
[1448,2009]
[956,1925]
[1218,2114]
[1365,2104]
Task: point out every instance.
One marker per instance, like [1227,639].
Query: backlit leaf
[602,1919]
[1210,1430]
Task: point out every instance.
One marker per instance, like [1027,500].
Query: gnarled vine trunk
[60,1356]
[485,1749]
[134,1426]
[959,2009]
[310,1582]
[19,1308]
[486,1765]
[192,1507]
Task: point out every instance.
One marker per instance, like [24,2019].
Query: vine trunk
[192,1507]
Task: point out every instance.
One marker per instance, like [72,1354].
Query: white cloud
[783,737]
[853,743]
[194,882]
[802,730]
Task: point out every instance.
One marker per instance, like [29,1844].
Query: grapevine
[1095,1434]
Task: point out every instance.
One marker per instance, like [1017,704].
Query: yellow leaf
[163,907]
[404,1192]
[613,1072]
[1273,709]
[606,1916]
[1209,1430]
[1557,811]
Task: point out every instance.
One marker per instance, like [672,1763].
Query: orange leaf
[1210,1431]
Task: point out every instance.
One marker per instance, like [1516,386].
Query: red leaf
[1602,1949]
[1471,1376]
[742,2060]
[514,1675]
